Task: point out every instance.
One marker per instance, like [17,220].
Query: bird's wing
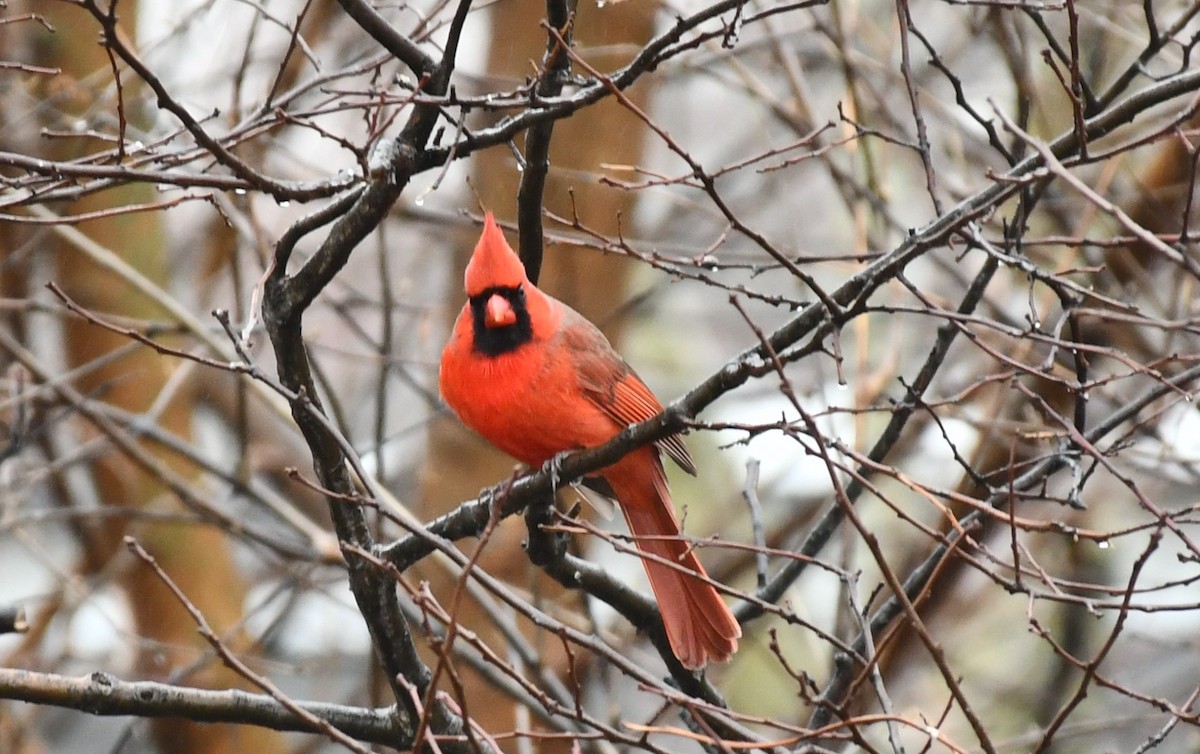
[612,385]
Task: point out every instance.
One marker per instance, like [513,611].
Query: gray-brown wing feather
[612,385]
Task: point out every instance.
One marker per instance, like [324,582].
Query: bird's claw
[554,466]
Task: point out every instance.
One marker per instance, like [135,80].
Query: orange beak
[498,312]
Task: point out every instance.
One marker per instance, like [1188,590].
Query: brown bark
[459,463]
[196,557]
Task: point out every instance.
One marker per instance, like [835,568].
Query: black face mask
[494,341]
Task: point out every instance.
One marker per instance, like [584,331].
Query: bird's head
[497,286]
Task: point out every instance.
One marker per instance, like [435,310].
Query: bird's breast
[526,402]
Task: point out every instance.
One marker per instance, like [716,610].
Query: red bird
[535,378]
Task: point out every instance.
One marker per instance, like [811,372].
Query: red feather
[559,386]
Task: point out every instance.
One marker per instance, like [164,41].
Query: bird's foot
[554,466]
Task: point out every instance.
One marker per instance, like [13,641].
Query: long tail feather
[700,626]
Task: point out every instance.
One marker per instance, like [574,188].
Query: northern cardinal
[535,378]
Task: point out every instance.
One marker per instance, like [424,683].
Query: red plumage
[535,378]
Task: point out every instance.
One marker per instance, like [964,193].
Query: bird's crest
[493,264]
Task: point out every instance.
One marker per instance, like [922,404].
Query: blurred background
[1003,420]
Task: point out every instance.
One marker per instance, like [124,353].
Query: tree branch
[105,695]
